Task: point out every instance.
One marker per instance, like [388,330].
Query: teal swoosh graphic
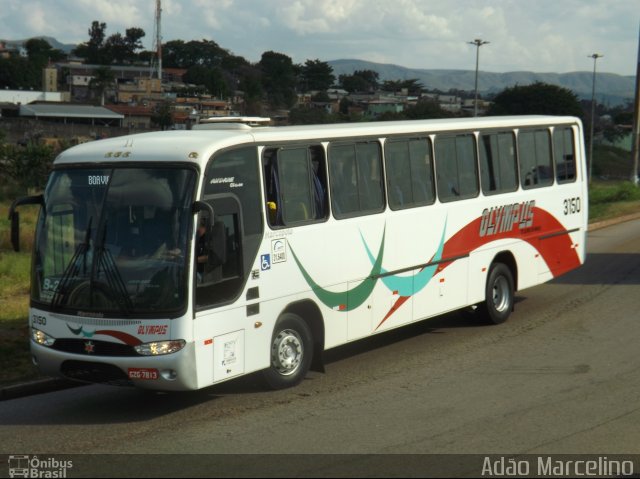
[410,285]
[350,299]
[79,332]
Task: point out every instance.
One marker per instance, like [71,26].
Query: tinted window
[534,152]
[295,185]
[235,173]
[456,167]
[498,166]
[564,155]
[356,179]
[227,244]
[409,173]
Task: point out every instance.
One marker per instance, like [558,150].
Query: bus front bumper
[170,372]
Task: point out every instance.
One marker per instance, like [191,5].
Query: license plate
[142,373]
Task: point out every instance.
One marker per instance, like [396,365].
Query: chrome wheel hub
[286,352]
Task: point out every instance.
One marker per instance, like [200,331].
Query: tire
[499,295]
[290,353]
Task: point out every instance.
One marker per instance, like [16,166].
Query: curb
[38,386]
[613,221]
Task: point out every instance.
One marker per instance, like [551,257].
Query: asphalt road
[562,376]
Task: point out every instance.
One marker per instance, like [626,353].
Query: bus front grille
[94,373]
[93,348]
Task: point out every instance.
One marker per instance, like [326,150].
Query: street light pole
[478,43]
[595,57]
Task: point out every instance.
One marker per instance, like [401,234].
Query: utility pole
[635,150]
[478,43]
[595,57]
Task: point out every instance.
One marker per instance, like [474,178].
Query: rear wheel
[499,294]
[291,352]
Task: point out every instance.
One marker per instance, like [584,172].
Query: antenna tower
[156,63]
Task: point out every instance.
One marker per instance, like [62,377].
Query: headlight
[160,347]
[42,338]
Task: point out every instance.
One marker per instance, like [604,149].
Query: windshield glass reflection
[114,240]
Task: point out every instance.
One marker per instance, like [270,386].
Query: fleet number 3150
[572,205]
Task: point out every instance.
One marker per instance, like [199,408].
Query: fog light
[169,374]
[158,348]
[42,338]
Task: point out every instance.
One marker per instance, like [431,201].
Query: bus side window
[534,153]
[409,173]
[295,185]
[565,159]
[498,167]
[456,166]
[356,179]
[272,186]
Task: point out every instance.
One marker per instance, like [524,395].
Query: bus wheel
[499,294]
[291,352]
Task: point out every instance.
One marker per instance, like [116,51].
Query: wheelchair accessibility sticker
[265,262]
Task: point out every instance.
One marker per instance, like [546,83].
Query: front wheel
[291,352]
[499,294]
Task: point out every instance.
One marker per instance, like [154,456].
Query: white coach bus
[177,260]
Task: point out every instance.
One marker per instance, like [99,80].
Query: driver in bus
[202,254]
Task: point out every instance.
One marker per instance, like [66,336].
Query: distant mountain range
[611,89]
[65,47]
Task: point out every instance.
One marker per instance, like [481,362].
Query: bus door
[223,263]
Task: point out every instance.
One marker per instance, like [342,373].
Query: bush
[28,165]
[610,193]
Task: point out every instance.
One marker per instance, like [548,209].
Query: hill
[65,47]
[611,89]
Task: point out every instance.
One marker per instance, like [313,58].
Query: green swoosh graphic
[79,331]
[345,300]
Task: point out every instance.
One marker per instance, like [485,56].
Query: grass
[613,199]
[15,363]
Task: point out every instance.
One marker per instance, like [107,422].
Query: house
[137,117]
[71,113]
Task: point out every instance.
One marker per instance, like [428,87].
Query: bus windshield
[113,241]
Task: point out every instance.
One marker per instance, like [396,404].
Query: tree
[536,99]
[100,50]
[103,78]
[133,39]
[26,73]
[212,79]
[424,109]
[93,51]
[115,50]
[317,75]
[40,52]
[360,81]
[278,79]
[18,72]
[309,116]
[250,83]
[207,53]
[412,85]
[162,115]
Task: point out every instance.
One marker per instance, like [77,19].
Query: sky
[524,35]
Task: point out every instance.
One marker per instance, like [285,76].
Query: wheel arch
[507,258]
[311,314]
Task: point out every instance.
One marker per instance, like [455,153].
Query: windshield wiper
[72,268]
[116,285]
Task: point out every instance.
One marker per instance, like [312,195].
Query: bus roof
[197,146]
